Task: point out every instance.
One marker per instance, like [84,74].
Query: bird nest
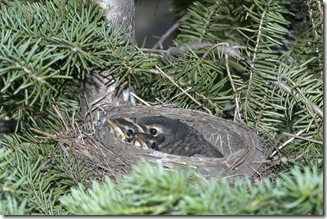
[243,151]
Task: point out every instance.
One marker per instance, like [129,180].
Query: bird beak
[137,141]
[116,129]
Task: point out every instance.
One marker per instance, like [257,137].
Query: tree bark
[121,13]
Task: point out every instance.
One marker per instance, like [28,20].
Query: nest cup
[244,152]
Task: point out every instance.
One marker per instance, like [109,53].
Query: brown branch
[319,9]
[302,138]
[169,32]
[237,98]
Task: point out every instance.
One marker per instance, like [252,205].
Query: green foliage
[10,203]
[40,171]
[46,47]
[38,177]
[152,190]
[36,53]
[246,73]
[263,67]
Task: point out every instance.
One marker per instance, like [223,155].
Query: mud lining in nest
[244,153]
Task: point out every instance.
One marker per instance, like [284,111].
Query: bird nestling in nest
[165,135]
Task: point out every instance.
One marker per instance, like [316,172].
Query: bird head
[163,130]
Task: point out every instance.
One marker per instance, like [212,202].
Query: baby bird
[164,134]
[175,137]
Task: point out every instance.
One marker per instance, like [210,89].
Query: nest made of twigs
[244,152]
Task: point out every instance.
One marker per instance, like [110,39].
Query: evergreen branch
[173,81]
[303,99]
[255,51]
[194,46]
[10,206]
[10,201]
[40,53]
[208,20]
[154,190]
[316,35]
[259,35]
[41,50]
[223,47]
[313,21]
[180,50]
[44,172]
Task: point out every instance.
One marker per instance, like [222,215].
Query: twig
[173,81]
[237,99]
[179,50]
[140,99]
[60,116]
[72,144]
[261,110]
[176,51]
[168,33]
[177,95]
[257,172]
[288,141]
[319,9]
[302,138]
[44,133]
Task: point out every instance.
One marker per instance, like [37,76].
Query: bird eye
[153,145]
[129,133]
[153,131]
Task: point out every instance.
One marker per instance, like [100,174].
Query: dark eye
[153,131]
[153,145]
[129,133]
